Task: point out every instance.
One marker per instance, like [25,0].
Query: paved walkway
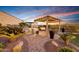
[36,43]
[41,43]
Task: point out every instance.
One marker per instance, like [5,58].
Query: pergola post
[47,29]
[59,26]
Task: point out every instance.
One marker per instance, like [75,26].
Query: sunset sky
[29,13]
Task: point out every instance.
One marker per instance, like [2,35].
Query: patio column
[59,26]
[47,29]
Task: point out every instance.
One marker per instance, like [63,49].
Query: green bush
[11,29]
[67,37]
[66,49]
[2,45]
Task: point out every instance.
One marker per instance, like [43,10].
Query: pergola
[49,20]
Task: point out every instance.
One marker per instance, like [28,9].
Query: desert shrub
[2,45]
[66,49]
[23,24]
[67,37]
[17,49]
[1,49]
[11,29]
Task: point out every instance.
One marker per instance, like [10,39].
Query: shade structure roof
[49,18]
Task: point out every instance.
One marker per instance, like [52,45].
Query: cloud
[30,12]
[65,13]
[54,15]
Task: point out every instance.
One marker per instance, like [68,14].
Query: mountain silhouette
[6,18]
